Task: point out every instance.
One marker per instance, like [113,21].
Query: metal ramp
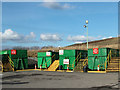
[53,66]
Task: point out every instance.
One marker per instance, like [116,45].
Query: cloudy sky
[57,23]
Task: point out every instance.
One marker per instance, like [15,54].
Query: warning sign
[61,52]
[47,53]
[66,61]
[95,50]
[13,52]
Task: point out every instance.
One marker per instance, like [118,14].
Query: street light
[86,26]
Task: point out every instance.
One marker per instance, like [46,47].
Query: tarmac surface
[45,79]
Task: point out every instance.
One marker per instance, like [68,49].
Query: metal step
[78,67]
[114,63]
[116,59]
[112,70]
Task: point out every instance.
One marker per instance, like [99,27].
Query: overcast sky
[57,23]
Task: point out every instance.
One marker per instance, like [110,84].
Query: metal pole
[87,36]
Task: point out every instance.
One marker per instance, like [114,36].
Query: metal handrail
[76,59]
[85,62]
[1,66]
[11,63]
[50,60]
[108,60]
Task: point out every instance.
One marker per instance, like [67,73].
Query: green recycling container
[45,59]
[19,58]
[98,56]
[69,58]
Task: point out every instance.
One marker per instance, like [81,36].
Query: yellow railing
[50,60]
[75,60]
[11,63]
[108,60]
[85,62]
[1,65]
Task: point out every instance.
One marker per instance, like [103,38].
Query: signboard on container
[95,50]
[61,52]
[13,52]
[65,61]
[48,53]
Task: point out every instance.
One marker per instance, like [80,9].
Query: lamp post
[86,26]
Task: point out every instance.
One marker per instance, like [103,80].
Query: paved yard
[40,79]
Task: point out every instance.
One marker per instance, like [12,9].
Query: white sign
[65,61]
[61,52]
[47,53]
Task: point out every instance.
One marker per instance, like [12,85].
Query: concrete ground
[45,79]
